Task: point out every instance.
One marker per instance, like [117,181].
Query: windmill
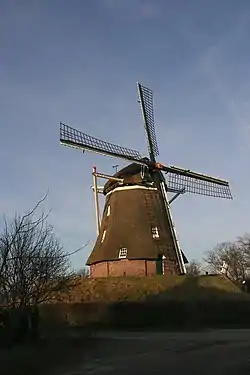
[136,235]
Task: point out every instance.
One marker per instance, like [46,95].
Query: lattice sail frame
[74,138]
[147,106]
[197,186]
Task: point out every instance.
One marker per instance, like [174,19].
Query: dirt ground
[218,352]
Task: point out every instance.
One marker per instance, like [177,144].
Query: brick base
[126,267]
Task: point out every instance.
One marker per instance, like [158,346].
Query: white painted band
[131,187]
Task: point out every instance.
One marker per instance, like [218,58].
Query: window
[103,235]
[155,232]
[108,211]
[123,252]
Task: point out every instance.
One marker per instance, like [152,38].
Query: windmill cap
[131,175]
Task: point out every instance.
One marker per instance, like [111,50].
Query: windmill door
[159,268]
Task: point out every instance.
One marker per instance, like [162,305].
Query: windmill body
[136,236]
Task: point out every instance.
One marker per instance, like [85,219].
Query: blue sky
[78,62]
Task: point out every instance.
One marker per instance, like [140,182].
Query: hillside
[159,301]
[138,289]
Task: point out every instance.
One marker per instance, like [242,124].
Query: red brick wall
[170,268]
[123,267]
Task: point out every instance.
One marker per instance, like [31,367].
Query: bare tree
[33,264]
[231,259]
[243,244]
[194,268]
[36,265]
[84,272]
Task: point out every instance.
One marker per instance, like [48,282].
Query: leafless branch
[33,264]
[231,258]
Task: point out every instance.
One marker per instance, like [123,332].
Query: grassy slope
[137,289]
[179,300]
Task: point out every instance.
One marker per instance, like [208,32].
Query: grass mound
[163,287]
[141,303]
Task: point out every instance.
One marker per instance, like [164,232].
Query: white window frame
[155,232]
[108,210]
[103,235]
[123,251]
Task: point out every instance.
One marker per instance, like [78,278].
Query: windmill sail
[198,186]
[147,106]
[192,182]
[74,138]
